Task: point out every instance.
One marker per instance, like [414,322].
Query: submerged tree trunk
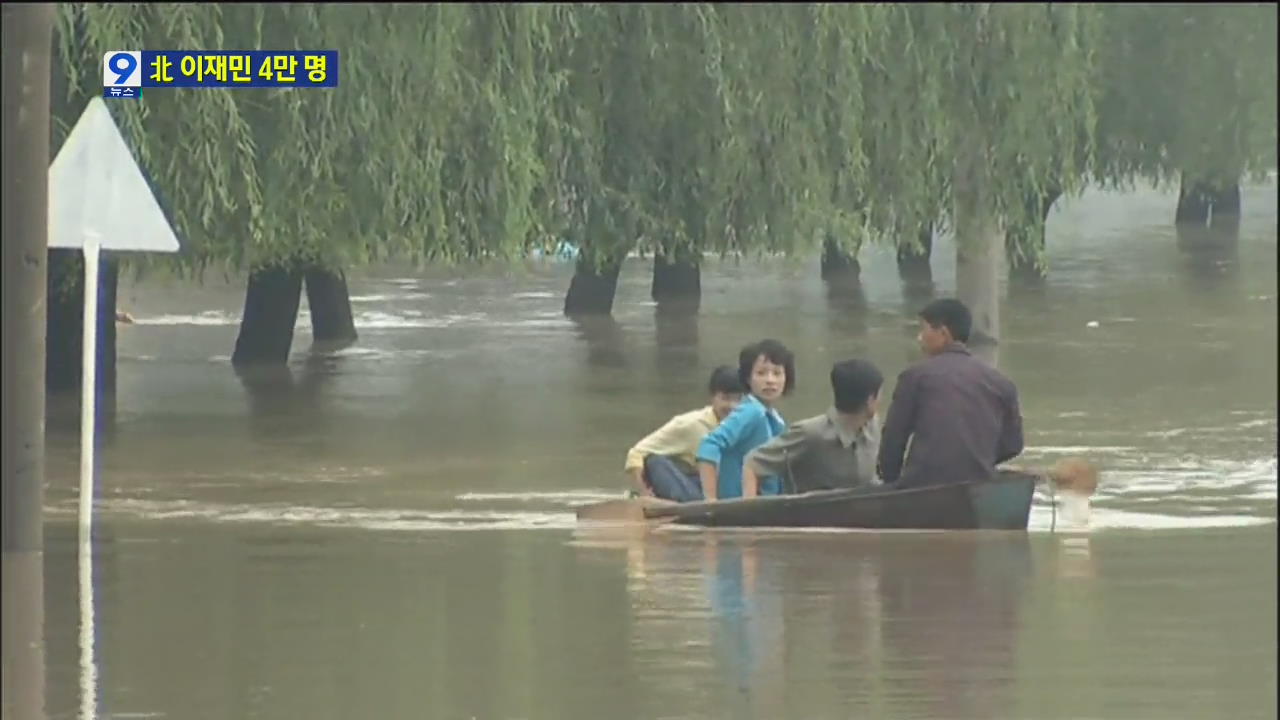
[677,280]
[1023,244]
[64,338]
[1203,203]
[270,313]
[330,303]
[592,290]
[915,271]
[913,263]
[838,264]
[979,247]
[1226,206]
[846,307]
[1193,203]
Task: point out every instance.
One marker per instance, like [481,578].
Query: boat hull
[1002,503]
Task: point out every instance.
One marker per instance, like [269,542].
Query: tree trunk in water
[846,307]
[1193,203]
[591,292]
[1204,203]
[24,214]
[270,312]
[913,263]
[330,303]
[838,264]
[1226,207]
[676,281]
[65,330]
[1024,244]
[979,247]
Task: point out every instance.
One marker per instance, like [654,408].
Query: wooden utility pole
[28,36]
[27,40]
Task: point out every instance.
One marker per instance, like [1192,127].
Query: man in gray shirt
[834,450]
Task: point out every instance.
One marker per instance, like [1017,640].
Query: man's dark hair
[724,379]
[951,314]
[853,382]
[776,353]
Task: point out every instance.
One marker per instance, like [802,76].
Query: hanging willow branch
[478,131]
[1186,88]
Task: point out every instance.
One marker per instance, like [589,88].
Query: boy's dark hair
[724,379]
[853,382]
[776,353]
[951,314]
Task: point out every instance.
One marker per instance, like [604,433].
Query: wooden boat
[1001,503]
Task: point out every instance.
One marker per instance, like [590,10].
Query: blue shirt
[748,427]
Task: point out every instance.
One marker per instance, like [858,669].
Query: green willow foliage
[1008,87]
[1187,89]
[483,131]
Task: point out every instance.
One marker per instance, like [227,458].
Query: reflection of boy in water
[662,464]
[952,614]
[747,635]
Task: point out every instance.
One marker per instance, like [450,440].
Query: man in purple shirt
[960,415]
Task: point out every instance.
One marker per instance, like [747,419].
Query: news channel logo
[122,74]
[126,72]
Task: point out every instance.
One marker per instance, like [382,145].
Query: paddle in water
[629,510]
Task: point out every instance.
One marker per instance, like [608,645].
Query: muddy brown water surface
[387,531]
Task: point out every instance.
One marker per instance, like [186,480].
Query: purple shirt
[961,416]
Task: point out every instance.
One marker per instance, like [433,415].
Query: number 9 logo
[122,68]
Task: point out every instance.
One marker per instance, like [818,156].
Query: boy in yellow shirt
[663,464]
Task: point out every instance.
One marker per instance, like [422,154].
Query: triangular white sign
[96,187]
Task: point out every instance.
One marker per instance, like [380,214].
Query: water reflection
[747,636]
[952,607]
[846,307]
[1029,291]
[287,405]
[1075,558]
[675,337]
[62,416]
[23,636]
[605,340]
[924,624]
[88,628]
[1210,254]
[917,291]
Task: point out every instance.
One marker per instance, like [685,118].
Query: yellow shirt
[680,437]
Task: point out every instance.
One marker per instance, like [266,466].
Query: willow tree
[823,125]
[803,174]
[406,160]
[206,152]
[1188,94]
[709,129]
[647,108]
[689,95]
[635,174]
[1182,93]
[976,105]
